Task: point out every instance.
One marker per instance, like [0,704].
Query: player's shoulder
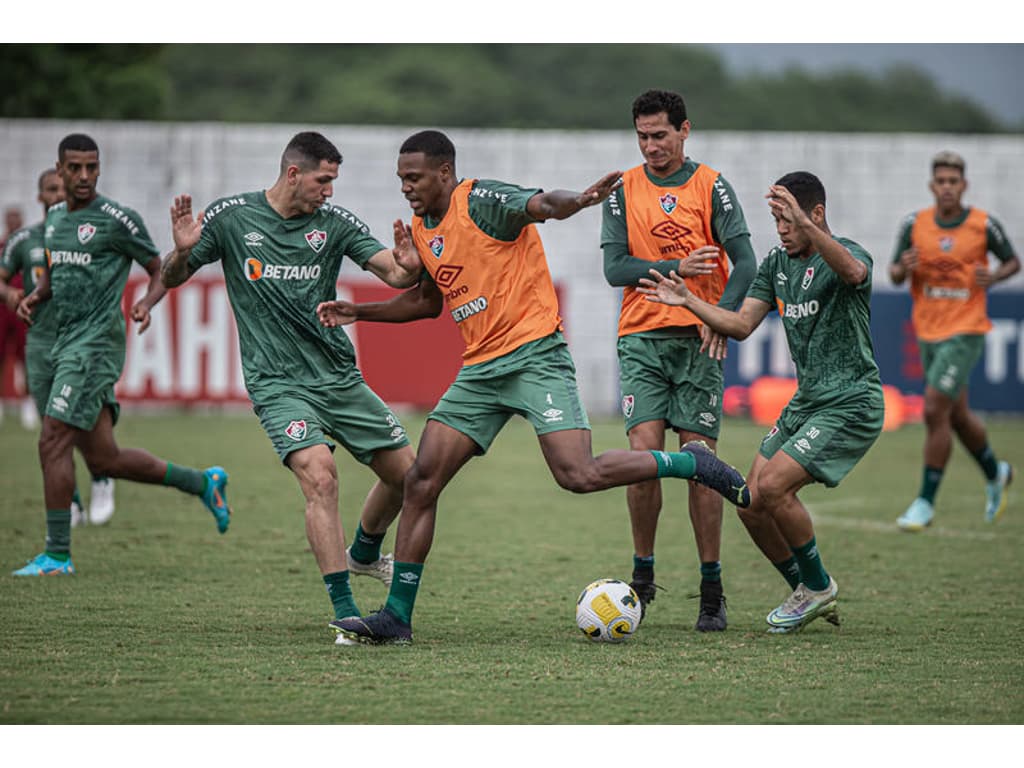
[22,235]
[123,215]
[855,248]
[338,215]
[230,205]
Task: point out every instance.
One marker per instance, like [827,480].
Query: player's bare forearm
[850,270]
[174,268]
[155,291]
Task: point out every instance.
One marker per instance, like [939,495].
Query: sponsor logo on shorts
[668,202]
[85,233]
[707,419]
[628,402]
[802,445]
[397,434]
[808,276]
[552,415]
[771,433]
[254,238]
[296,430]
[59,404]
[436,245]
[316,239]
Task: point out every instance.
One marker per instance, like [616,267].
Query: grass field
[169,623]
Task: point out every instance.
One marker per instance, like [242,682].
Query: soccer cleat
[802,607]
[712,607]
[215,496]
[101,501]
[829,613]
[917,517]
[380,628]
[79,516]
[995,492]
[44,565]
[382,569]
[717,475]
[341,639]
[645,590]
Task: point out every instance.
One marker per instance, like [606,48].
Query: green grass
[168,622]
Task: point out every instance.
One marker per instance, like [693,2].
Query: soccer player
[91,242]
[281,250]
[665,209]
[944,251]
[821,285]
[479,244]
[25,255]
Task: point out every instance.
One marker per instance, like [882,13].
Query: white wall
[872,181]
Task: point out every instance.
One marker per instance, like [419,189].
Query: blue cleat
[380,628]
[717,475]
[44,565]
[215,496]
[995,492]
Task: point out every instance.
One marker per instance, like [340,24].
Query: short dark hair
[433,144]
[43,175]
[76,142]
[948,159]
[653,102]
[806,188]
[307,150]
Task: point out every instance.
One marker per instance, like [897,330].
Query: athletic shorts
[827,442]
[39,371]
[948,363]
[668,379]
[83,385]
[536,381]
[353,416]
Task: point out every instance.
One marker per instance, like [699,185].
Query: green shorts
[83,385]
[536,381]
[948,363]
[354,416]
[668,379]
[39,370]
[828,442]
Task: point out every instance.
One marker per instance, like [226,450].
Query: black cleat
[717,475]
[380,628]
[712,607]
[645,590]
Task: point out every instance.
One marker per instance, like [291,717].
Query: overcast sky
[991,74]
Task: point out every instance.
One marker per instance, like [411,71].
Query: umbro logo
[254,238]
[781,277]
[408,577]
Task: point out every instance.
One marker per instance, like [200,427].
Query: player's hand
[785,206]
[910,259]
[984,277]
[25,307]
[669,290]
[140,314]
[700,261]
[184,228]
[715,343]
[336,313]
[406,255]
[600,190]
[13,297]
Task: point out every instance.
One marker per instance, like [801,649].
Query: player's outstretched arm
[399,267]
[186,231]
[672,290]
[419,302]
[561,203]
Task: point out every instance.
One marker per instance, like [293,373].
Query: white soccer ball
[608,611]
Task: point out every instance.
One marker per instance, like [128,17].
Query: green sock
[790,571]
[365,547]
[77,499]
[185,479]
[987,461]
[812,572]
[340,592]
[671,464]
[643,568]
[98,478]
[58,533]
[404,586]
[930,483]
[711,571]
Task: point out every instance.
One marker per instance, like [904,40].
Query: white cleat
[79,516]
[101,501]
[381,569]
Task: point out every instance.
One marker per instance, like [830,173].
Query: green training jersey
[25,253]
[91,251]
[827,323]
[277,271]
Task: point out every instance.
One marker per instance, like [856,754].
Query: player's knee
[770,491]
[422,487]
[53,444]
[576,479]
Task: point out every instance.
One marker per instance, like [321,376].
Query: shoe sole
[1005,500]
[363,640]
[913,527]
